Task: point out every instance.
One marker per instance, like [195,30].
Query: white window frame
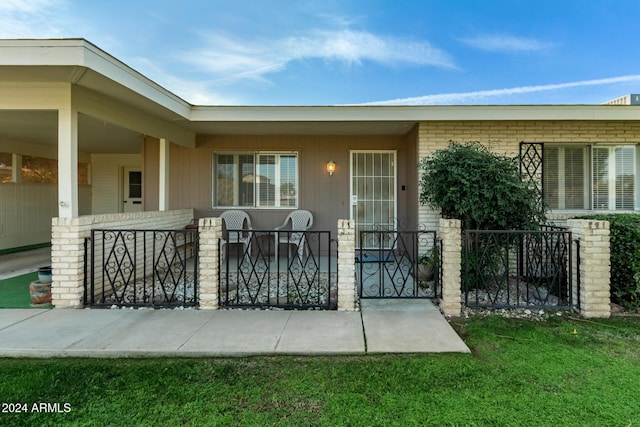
[256,204]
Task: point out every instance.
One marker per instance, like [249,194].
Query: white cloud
[31,18]
[467,97]
[232,59]
[196,92]
[506,43]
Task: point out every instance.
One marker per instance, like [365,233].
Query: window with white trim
[599,177]
[262,179]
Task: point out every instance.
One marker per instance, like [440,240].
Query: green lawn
[563,372]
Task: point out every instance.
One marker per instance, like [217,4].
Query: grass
[14,292]
[562,372]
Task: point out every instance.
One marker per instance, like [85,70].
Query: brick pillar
[67,261]
[595,266]
[450,234]
[346,265]
[210,231]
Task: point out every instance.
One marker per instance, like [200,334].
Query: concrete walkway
[385,326]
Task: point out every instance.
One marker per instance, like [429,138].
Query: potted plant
[425,267]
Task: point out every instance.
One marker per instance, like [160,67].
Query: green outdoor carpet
[14,292]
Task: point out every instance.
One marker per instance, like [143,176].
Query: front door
[132,190]
[373,193]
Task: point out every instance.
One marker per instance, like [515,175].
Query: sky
[353,52]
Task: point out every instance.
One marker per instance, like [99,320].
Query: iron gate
[141,268]
[398,264]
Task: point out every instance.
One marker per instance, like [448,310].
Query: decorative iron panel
[531,166]
[143,268]
[301,274]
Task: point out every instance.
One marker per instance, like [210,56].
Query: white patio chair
[238,226]
[301,220]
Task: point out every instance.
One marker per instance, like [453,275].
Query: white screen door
[373,193]
[132,190]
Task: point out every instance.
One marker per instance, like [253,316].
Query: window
[39,170]
[566,173]
[601,177]
[614,176]
[6,165]
[256,179]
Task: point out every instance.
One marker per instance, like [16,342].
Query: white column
[68,163]
[163,204]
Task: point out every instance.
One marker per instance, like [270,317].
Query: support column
[595,266]
[450,233]
[163,179]
[210,231]
[346,265]
[68,163]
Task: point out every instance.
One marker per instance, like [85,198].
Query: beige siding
[504,137]
[25,213]
[106,180]
[326,196]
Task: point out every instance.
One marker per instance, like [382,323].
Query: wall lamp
[331,167]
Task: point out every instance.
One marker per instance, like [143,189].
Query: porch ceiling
[41,128]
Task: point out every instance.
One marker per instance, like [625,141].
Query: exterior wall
[504,137]
[26,209]
[25,213]
[67,246]
[106,180]
[327,197]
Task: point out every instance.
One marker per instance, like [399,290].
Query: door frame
[352,191]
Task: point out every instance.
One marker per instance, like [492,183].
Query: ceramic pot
[40,293]
[44,274]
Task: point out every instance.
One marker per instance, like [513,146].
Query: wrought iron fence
[142,268]
[398,264]
[281,269]
[518,268]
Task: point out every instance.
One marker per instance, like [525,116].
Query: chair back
[300,220]
[235,220]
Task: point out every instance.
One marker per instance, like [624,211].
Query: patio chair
[238,226]
[301,220]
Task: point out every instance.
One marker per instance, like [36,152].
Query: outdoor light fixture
[331,167]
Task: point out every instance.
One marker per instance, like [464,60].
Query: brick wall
[450,233]
[504,137]
[594,267]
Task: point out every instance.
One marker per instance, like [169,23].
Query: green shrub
[481,188]
[625,257]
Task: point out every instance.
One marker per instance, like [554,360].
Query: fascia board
[81,53]
[414,113]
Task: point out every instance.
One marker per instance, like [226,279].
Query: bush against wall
[625,258]
[481,188]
